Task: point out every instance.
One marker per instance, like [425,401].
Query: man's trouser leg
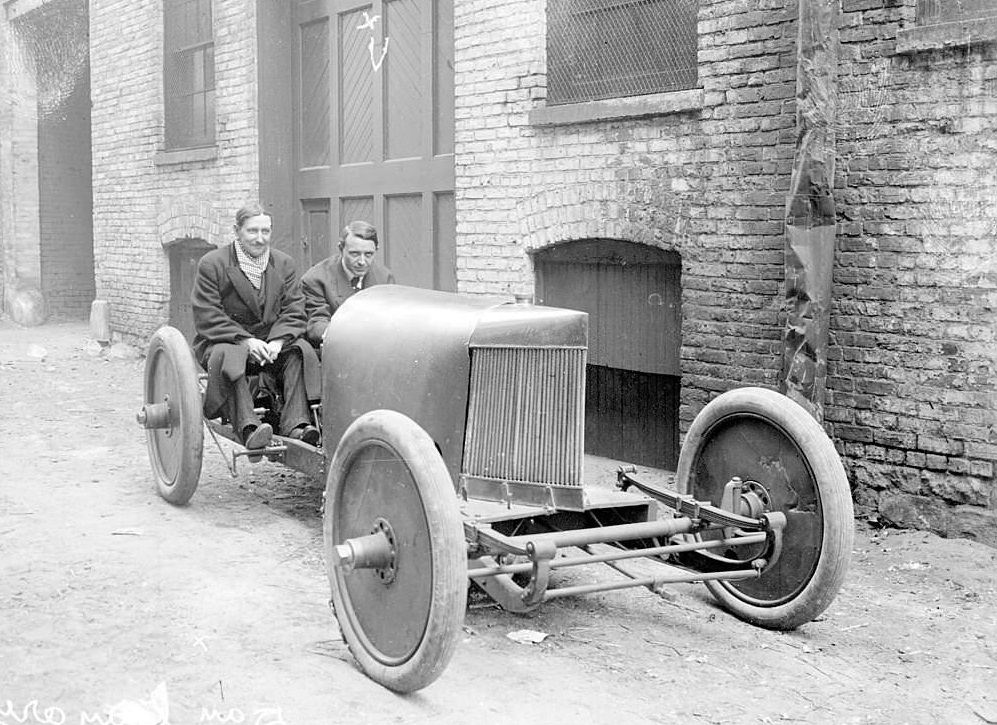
[228,388]
[240,407]
[295,411]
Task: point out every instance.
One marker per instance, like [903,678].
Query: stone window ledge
[183,156]
[947,35]
[657,104]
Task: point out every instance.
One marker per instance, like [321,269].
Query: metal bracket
[506,494]
[776,522]
[550,506]
[540,553]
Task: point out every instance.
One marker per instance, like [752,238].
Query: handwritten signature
[34,713]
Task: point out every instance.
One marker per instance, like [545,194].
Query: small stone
[122,351]
[36,352]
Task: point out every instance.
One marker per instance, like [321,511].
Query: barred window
[189,74]
[942,24]
[933,12]
[599,49]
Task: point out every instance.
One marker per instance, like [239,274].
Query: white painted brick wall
[138,205]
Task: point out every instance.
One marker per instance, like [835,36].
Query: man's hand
[275,346]
[259,351]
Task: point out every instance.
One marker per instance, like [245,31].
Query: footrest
[255,455]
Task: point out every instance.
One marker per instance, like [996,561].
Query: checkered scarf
[253,268]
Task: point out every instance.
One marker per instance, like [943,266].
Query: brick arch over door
[633,294]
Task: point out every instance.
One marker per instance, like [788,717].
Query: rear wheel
[788,462]
[388,489]
[172,416]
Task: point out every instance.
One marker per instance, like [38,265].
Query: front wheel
[389,490]
[779,450]
[172,415]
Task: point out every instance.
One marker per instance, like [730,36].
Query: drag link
[566,561]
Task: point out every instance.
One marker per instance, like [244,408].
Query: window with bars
[933,12]
[940,24]
[598,49]
[189,74]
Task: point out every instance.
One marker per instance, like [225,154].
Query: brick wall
[911,402]
[18,163]
[913,389]
[709,183]
[139,203]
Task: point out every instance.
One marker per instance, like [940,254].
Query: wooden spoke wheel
[787,464]
[172,416]
[395,551]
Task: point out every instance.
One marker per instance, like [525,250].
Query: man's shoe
[260,437]
[306,434]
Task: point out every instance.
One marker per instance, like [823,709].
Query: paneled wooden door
[374,131]
[633,296]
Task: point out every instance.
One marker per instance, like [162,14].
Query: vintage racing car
[452,451]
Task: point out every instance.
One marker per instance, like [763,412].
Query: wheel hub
[386,573]
[377,550]
[745,498]
[755,499]
[155,416]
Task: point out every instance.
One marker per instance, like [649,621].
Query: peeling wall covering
[810,215]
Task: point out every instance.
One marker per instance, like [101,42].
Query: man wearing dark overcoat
[249,317]
[335,279]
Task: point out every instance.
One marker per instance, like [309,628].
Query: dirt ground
[115,605]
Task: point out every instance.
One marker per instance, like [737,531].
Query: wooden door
[632,294]
[374,130]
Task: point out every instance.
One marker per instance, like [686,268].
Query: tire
[175,451]
[762,436]
[402,629]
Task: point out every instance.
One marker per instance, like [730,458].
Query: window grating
[933,12]
[189,74]
[599,49]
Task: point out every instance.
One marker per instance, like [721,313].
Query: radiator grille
[526,415]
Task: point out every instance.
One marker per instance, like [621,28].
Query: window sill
[183,156]
[657,104]
[947,35]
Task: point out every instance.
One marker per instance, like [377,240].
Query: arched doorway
[632,294]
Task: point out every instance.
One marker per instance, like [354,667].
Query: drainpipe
[810,216]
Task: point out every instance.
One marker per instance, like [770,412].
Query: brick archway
[621,209]
[182,218]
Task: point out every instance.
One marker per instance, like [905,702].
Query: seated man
[330,282]
[249,316]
